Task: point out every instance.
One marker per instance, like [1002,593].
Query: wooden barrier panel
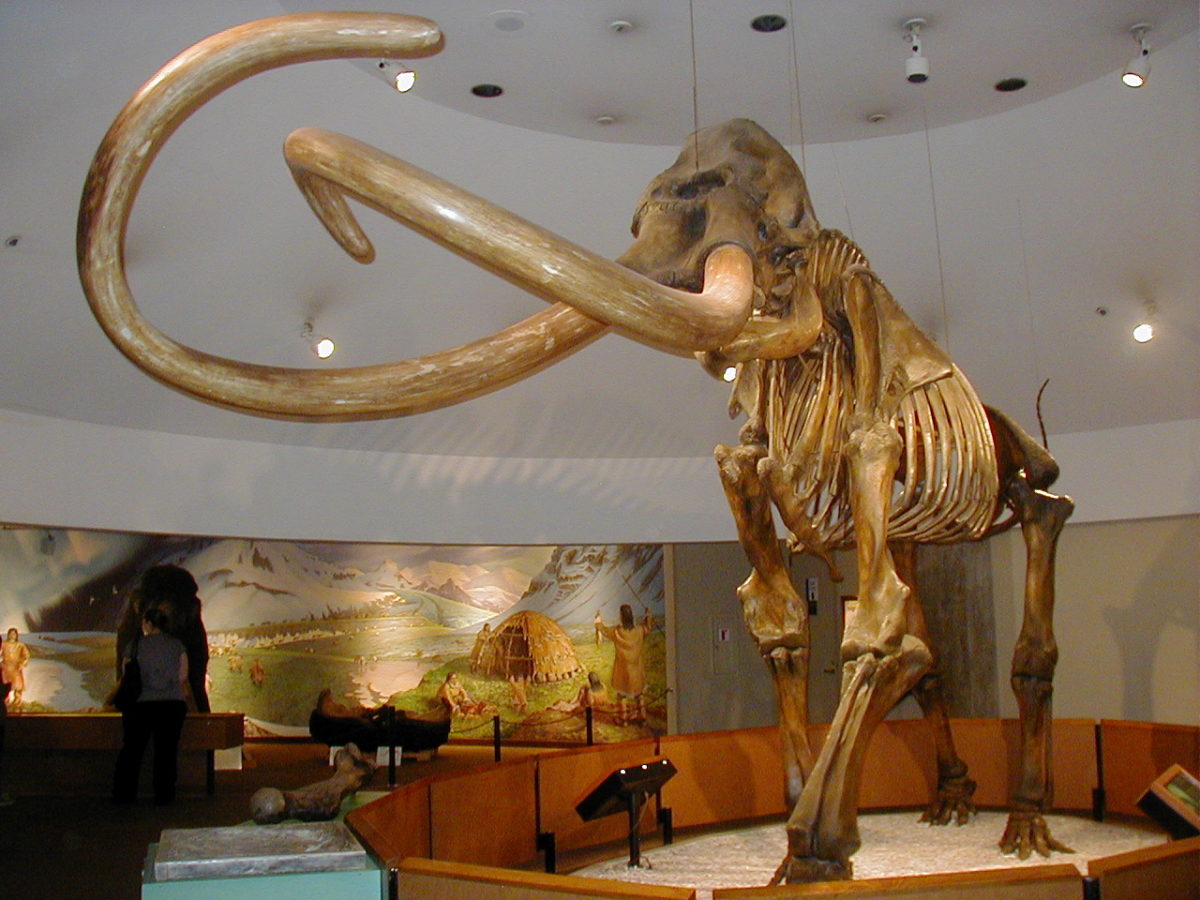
[900,767]
[724,776]
[486,815]
[427,879]
[564,777]
[74,753]
[1135,753]
[989,750]
[901,764]
[395,826]
[102,731]
[1060,882]
[1168,872]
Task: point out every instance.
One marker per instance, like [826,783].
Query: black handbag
[130,686]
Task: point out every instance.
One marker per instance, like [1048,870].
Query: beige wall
[1127,619]
[1127,623]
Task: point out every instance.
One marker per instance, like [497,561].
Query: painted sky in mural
[374,623]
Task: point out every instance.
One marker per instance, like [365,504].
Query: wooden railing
[69,753]
[505,814]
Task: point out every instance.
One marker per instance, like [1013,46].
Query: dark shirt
[158,655]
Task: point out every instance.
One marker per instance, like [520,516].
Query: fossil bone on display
[860,431]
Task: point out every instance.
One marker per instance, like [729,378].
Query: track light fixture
[399,76]
[1138,70]
[916,67]
[322,346]
[1143,331]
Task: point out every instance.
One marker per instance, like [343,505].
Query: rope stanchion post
[588,713]
[496,737]
[389,716]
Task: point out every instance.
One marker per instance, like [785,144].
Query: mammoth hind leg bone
[1042,516]
[884,656]
[953,799]
[774,613]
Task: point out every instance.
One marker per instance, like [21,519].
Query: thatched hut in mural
[526,645]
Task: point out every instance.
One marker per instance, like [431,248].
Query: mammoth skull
[708,310]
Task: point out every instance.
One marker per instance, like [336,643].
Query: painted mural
[525,633]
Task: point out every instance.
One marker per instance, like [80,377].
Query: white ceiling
[1002,221]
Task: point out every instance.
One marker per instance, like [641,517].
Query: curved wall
[56,472]
[64,473]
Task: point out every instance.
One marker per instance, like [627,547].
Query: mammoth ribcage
[946,484]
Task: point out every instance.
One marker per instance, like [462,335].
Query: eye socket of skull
[698,185]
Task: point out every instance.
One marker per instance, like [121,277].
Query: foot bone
[1027,831]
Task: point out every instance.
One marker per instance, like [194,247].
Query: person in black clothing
[172,589]
[158,713]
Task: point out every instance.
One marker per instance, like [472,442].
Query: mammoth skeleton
[860,431]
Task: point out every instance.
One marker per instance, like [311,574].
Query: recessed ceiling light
[1007,85]
[768,23]
[876,117]
[620,26]
[604,120]
[509,21]
[487,90]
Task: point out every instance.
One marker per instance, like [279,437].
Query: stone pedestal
[260,862]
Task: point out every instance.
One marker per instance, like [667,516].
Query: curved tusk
[768,337]
[401,388]
[328,166]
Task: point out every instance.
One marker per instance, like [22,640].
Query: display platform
[893,843]
[261,862]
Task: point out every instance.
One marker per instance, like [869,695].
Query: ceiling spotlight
[398,75]
[916,67]
[323,347]
[1143,331]
[1138,70]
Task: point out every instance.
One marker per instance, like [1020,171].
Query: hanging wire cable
[695,83]
[937,233]
[1028,295]
[795,113]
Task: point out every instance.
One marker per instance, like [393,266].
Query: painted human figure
[14,659]
[457,701]
[481,651]
[520,698]
[591,693]
[629,669]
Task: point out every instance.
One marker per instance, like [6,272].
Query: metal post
[635,847]
[587,713]
[496,736]
[389,717]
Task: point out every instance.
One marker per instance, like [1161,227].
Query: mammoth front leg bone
[1042,517]
[884,656]
[774,612]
